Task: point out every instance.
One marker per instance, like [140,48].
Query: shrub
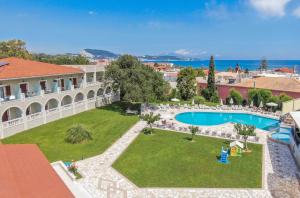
[199,100]
[236,97]
[259,95]
[77,134]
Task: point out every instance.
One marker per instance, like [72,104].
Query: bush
[259,95]
[199,100]
[214,98]
[77,135]
[236,97]
[206,94]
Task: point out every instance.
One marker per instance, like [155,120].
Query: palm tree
[78,134]
[245,131]
[150,118]
[193,131]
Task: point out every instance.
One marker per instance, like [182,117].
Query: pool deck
[280,174]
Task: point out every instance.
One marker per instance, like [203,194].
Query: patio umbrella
[175,100]
[261,105]
[272,104]
[166,116]
[231,101]
[193,102]
[221,102]
[251,104]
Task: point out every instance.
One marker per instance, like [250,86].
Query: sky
[228,29]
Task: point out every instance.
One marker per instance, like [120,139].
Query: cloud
[270,7]
[91,12]
[296,12]
[183,52]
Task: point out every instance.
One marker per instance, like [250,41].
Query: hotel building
[34,93]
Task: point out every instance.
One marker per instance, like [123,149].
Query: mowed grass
[169,159]
[106,125]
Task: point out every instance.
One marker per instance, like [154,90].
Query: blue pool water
[217,118]
[283,135]
[68,164]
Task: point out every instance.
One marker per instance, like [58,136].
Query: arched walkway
[91,94]
[66,100]
[79,97]
[108,90]
[51,104]
[34,108]
[11,114]
[100,92]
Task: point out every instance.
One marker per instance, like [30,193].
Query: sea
[223,65]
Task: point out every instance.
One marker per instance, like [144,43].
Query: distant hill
[99,54]
[104,54]
[163,58]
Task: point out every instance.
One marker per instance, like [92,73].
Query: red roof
[21,68]
[285,70]
[25,172]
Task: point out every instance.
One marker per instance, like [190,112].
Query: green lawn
[168,159]
[106,125]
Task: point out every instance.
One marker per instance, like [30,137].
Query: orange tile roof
[25,172]
[285,70]
[21,68]
[272,83]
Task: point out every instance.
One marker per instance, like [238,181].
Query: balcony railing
[13,122]
[34,116]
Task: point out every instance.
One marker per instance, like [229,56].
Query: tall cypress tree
[211,84]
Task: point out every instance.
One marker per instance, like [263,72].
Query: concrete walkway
[100,180]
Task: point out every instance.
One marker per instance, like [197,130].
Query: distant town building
[161,67]
[278,85]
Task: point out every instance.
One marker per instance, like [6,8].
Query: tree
[137,82]
[77,134]
[199,100]
[210,93]
[263,64]
[14,48]
[61,59]
[186,83]
[211,84]
[200,72]
[245,131]
[193,131]
[150,118]
[236,96]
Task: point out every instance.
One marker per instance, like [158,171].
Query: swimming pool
[217,118]
[283,135]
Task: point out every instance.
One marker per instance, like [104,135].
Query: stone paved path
[100,180]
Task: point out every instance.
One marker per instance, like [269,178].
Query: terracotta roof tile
[284,70]
[25,172]
[21,68]
[272,83]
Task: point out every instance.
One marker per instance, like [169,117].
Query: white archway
[66,100]
[52,104]
[11,114]
[79,97]
[91,94]
[33,108]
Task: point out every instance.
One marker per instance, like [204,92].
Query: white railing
[79,103]
[13,122]
[67,106]
[34,116]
